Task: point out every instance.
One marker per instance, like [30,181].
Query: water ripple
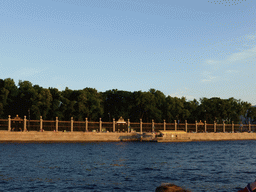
[198,166]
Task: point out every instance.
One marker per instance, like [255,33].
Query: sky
[195,49]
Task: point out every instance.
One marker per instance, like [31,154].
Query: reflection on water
[126,166]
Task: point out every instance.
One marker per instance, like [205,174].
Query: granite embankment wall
[34,136]
[221,136]
[208,137]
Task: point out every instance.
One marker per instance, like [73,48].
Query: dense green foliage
[35,101]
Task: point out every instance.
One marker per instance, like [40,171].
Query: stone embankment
[181,136]
[48,136]
[34,136]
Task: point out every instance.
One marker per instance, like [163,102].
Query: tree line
[35,101]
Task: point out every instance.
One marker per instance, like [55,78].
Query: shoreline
[85,137]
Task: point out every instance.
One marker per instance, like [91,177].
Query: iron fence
[228,128]
[158,126]
[180,127]
[79,126]
[3,124]
[64,126]
[135,127]
[33,125]
[93,126]
[237,128]
[147,127]
[170,126]
[18,124]
[210,128]
[219,128]
[107,126]
[49,125]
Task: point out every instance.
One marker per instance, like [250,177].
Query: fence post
[100,125]
[186,126]
[72,124]
[114,125]
[223,126]
[250,127]
[175,125]
[86,124]
[129,127]
[233,127]
[164,125]
[140,126]
[153,125]
[205,127]
[214,125]
[41,123]
[57,122]
[196,126]
[25,123]
[9,122]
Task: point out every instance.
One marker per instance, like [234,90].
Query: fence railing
[3,124]
[18,124]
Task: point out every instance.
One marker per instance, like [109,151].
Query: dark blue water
[126,166]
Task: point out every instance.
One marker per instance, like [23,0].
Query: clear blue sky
[199,48]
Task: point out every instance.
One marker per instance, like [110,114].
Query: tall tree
[54,110]
[8,98]
[68,101]
[27,94]
[116,104]
[144,106]
[251,114]
[245,110]
[42,102]
[159,104]
[193,108]
[89,104]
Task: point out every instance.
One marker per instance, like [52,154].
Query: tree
[116,104]
[89,104]
[159,104]
[26,97]
[68,101]
[3,97]
[144,106]
[81,104]
[251,114]
[43,102]
[8,98]
[169,105]
[193,109]
[245,110]
[176,109]
[233,110]
[35,99]
[51,103]
[54,110]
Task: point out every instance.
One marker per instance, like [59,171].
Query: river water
[126,166]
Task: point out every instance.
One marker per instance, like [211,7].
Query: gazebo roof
[17,117]
[121,121]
